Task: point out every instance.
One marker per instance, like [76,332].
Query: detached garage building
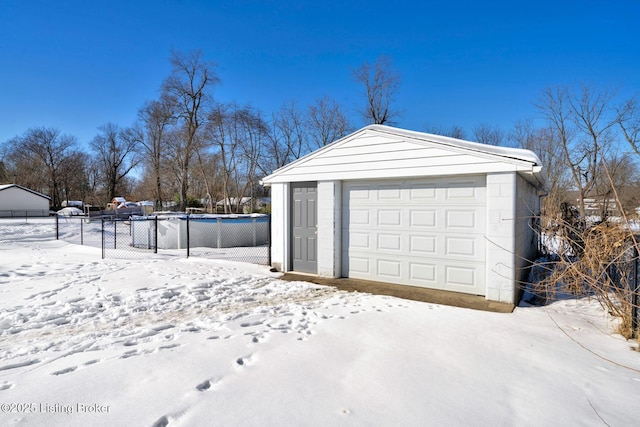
[18,201]
[410,208]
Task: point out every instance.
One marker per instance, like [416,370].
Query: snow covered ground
[171,341]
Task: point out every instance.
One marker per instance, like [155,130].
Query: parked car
[70,211]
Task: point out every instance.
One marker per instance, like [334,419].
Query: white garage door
[427,232]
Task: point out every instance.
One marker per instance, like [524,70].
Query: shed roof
[378,150]
[7,186]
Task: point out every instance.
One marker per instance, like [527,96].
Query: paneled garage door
[427,232]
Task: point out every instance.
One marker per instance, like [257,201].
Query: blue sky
[76,65]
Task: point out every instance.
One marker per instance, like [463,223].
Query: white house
[410,208]
[16,200]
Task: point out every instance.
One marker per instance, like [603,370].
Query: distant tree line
[588,140]
[189,148]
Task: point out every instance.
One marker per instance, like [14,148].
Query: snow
[171,341]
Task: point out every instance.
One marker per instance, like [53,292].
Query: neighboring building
[409,208]
[18,201]
[600,206]
[115,202]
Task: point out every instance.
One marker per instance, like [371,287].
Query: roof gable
[8,186]
[382,151]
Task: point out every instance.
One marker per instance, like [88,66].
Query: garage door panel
[422,192]
[422,218]
[460,246]
[389,268]
[461,190]
[461,219]
[360,217]
[389,192]
[359,193]
[360,265]
[389,242]
[423,273]
[460,276]
[359,240]
[389,218]
[422,245]
[427,232]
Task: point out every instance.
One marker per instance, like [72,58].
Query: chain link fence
[23,213]
[244,238]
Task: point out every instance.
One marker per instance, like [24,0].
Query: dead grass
[597,261]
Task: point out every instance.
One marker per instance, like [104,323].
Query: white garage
[410,208]
[18,201]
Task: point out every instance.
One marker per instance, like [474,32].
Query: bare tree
[546,143]
[157,118]
[593,117]
[380,82]
[285,137]
[238,133]
[629,122]
[454,131]
[615,186]
[116,151]
[190,87]
[42,150]
[487,134]
[74,179]
[326,123]
[581,123]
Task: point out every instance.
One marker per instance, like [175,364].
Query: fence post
[635,297]
[81,231]
[255,224]
[102,233]
[269,240]
[57,228]
[155,238]
[188,240]
[115,233]
[219,220]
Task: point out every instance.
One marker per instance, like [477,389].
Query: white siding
[329,218]
[16,198]
[501,199]
[371,155]
[526,237]
[280,226]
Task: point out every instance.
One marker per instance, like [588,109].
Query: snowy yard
[171,341]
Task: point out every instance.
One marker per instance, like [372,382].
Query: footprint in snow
[244,360]
[162,422]
[6,385]
[204,386]
[65,371]
[129,353]
[215,337]
[169,347]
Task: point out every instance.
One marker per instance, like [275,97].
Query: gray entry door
[304,227]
